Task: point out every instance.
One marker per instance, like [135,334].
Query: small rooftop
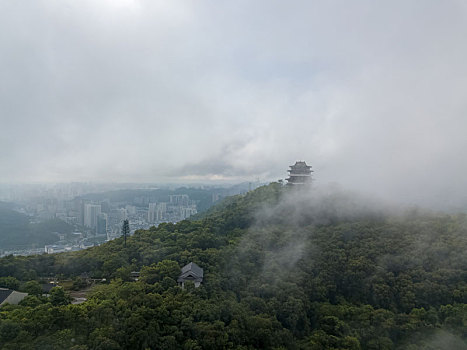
[11,296]
[191,272]
[193,268]
[4,293]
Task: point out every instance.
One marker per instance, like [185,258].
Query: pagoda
[300,174]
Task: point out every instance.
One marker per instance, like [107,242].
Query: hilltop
[283,269]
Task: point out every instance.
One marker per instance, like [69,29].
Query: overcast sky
[372,94]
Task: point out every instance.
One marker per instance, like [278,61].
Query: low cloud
[372,95]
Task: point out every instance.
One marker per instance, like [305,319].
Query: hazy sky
[372,94]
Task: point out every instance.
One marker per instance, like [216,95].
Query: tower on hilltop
[300,174]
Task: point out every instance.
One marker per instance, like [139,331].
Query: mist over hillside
[107,107]
[283,267]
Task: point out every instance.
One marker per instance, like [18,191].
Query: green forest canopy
[283,270]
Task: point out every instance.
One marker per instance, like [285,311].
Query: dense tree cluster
[281,272]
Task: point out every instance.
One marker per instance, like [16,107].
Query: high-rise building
[102,220]
[186,212]
[105,206]
[179,199]
[91,213]
[152,212]
[161,211]
[157,212]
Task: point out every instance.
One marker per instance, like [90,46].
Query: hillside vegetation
[16,232]
[283,270]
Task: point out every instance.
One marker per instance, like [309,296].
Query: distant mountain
[16,232]
[204,197]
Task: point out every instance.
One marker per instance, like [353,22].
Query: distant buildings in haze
[91,214]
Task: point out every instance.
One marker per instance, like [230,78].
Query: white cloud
[371,94]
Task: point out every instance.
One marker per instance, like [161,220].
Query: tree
[125,230]
[9,282]
[32,287]
[157,272]
[58,296]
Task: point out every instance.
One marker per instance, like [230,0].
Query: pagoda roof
[300,165]
[193,267]
[191,271]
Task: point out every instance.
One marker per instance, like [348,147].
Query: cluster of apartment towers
[157,212]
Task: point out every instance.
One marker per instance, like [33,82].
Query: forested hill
[16,232]
[283,269]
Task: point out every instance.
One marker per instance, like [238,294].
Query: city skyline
[94,218]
